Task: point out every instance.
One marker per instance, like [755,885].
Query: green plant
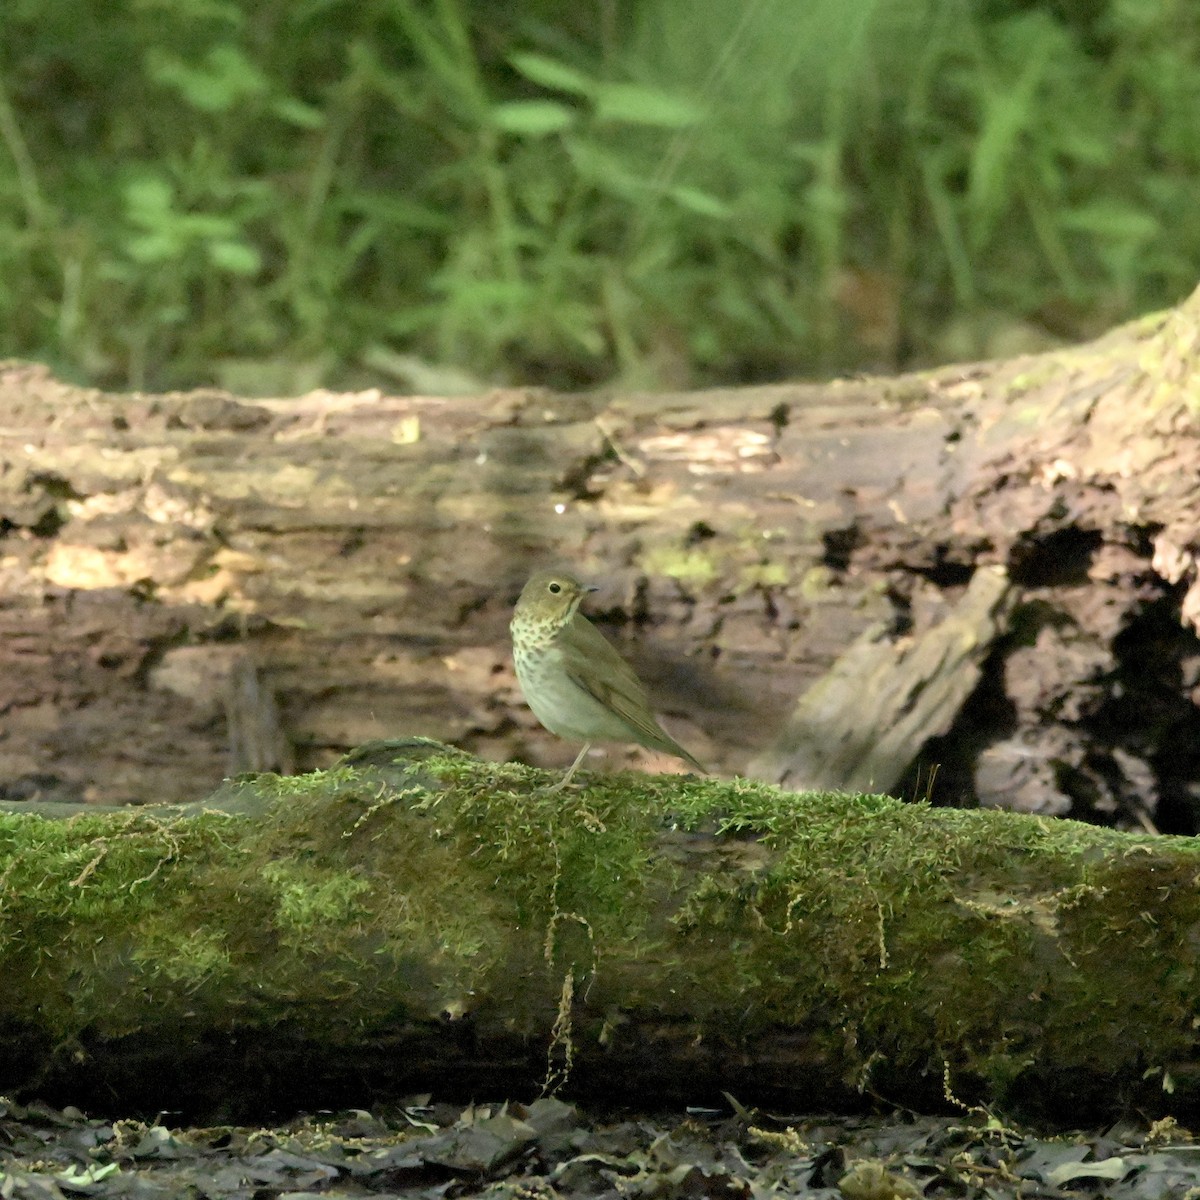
[653,191]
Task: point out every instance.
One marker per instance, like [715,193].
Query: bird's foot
[552,789]
[591,822]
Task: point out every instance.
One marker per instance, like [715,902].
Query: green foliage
[661,190]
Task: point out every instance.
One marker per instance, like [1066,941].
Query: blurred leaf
[149,197]
[1111,220]
[1007,113]
[442,40]
[1085,146]
[238,258]
[225,77]
[550,73]
[634,104]
[153,247]
[399,212]
[826,199]
[296,112]
[604,169]
[694,200]
[532,118]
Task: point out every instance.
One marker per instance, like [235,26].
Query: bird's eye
[554,588]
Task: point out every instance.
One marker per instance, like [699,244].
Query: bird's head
[550,598]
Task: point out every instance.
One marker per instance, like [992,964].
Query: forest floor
[551,1149]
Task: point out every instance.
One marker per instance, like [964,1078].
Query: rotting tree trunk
[174,564]
[424,921]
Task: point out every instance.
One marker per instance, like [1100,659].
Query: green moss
[308,897]
[690,565]
[191,961]
[816,582]
[764,574]
[901,936]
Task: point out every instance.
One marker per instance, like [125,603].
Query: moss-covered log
[418,920]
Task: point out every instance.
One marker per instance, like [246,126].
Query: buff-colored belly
[562,706]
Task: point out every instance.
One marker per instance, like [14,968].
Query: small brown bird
[578,686]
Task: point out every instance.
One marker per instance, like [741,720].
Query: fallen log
[416,920]
[194,584]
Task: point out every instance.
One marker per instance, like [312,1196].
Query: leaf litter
[550,1149]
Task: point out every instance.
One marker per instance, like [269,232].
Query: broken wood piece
[863,724]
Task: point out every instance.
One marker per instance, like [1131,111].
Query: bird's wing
[594,665]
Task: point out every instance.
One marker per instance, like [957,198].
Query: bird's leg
[589,818]
[565,781]
[591,822]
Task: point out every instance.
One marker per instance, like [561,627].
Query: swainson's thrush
[578,686]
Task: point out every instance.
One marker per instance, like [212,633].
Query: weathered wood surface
[855,729]
[425,921]
[356,557]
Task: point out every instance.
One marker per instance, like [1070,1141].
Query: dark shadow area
[943,772]
[1152,710]
[1131,758]
[1060,559]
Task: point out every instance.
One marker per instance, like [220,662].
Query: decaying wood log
[856,728]
[362,553]
[419,920]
